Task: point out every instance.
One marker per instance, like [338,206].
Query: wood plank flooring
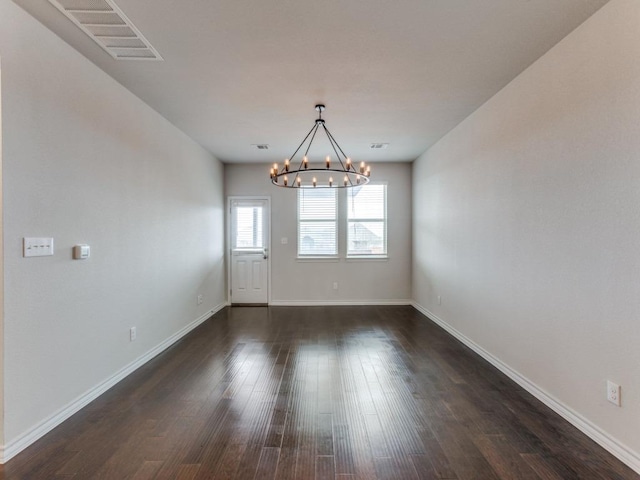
[316,393]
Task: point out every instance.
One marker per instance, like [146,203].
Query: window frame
[385,220]
[335,221]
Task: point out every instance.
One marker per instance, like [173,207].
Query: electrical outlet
[199,299]
[335,285]
[133,334]
[439,300]
[613,392]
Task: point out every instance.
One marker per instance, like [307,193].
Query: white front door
[249,239]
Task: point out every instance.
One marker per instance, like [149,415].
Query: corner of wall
[602,438]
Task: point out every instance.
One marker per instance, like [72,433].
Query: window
[317,222]
[367,221]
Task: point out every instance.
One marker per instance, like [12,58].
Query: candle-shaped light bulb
[271,174]
[275,167]
[331,181]
[314,181]
[298,181]
[286,165]
[368,172]
[305,161]
[348,163]
[361,167]
[328,160]
[358,179]
[286,180]
[346,179]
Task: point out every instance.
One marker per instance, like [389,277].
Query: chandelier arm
[315,130]
[334,141]
[297,172]
[334,144]
[302,143]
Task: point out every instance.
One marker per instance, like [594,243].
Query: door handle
[265,255]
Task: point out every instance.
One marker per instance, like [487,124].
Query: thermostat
[81,252]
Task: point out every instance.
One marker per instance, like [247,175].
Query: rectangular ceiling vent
[376,146]
[109,27]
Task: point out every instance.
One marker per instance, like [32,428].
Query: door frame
[227,254]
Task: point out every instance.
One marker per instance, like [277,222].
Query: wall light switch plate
[38,246]
[613,393]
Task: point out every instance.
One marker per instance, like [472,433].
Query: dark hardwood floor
[322,392]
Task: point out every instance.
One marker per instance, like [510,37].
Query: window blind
[317,222]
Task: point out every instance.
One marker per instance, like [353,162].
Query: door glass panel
[249,225]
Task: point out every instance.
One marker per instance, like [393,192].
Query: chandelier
[337,172]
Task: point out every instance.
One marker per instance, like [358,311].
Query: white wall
[360,281]
[85,161]
[527,223]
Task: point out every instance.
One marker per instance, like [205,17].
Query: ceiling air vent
[109,27]
[261,146]
[377,146]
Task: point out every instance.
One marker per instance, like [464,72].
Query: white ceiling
[239,72]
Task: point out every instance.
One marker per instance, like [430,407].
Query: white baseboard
[336,303]
[16,445]
[602,438]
